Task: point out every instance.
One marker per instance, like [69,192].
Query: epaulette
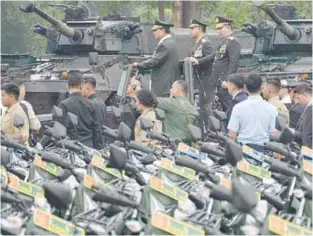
[203,40]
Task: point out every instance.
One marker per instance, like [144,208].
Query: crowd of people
[252,116]
[253,106]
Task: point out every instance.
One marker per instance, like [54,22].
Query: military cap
[221,21]
[196,23]
[161,25]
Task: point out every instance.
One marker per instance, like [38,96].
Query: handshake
[193,60]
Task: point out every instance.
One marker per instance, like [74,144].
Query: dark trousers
[205,100]
[224,98]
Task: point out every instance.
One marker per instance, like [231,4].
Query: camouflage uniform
[141,135]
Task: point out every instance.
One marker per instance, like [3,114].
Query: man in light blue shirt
[253,120]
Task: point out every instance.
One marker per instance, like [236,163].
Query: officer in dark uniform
[225,59]
[303,134]
[89,128]
[202,47]
[164,62]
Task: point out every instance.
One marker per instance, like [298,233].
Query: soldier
[200,49]
[145,103]
[164,62]
[9,97]
[225,59]
[179,112]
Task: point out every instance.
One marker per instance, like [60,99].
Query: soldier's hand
[135,64]
[194,60]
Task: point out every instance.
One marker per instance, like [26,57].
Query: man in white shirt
[253,120]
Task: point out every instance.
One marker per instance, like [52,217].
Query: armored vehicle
[93,46]
[283,46]
[17,65]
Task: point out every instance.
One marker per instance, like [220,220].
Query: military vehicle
[91,45]
[17,65]
[97,47]
[283,46]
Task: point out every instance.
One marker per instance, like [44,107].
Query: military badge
[198,52]
[222,50]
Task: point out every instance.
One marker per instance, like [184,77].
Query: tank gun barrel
[61,5]
[74,34]
[291,32]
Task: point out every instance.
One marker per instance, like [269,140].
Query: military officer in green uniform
[225,59]
[202,47]
[179,112]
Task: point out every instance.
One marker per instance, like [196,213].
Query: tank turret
[74,34]
[283,44]
[80,34]
[279,36]
[291,32]
[110,41]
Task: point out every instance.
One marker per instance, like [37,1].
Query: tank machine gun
[72,12]
[282,48]
[94,47]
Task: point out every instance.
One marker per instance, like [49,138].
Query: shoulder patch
[203,40]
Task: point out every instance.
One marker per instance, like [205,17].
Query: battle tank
[283,46]
[93,46]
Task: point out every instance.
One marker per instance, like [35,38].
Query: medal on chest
[198,51]
[222,50]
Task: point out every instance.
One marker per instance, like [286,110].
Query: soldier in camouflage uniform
[200,49]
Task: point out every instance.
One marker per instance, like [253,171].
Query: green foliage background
[17,27]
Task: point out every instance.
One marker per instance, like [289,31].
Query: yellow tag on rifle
[55,224]
[23,187]
[179,170]
[307,166]
[173,226]
[89,181]
[283,227]
[256,171]
[100,163]
[47,166]
[168,190]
